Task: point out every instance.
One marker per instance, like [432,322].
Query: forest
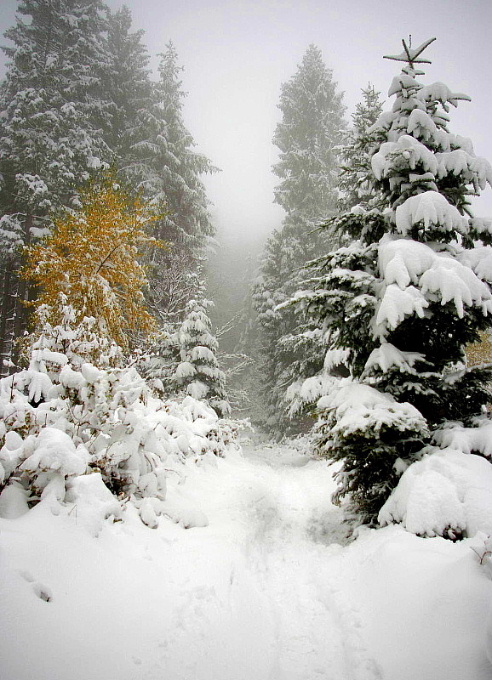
[356,353]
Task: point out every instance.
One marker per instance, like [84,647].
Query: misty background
[237,53]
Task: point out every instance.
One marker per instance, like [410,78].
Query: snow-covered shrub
[447,493]
[64,418]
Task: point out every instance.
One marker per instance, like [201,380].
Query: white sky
[236,54]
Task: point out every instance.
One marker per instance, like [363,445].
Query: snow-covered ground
[261,586]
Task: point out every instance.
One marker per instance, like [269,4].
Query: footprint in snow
[43,592]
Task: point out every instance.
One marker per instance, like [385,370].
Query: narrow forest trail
[267,602]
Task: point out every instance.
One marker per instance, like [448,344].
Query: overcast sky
[237,53]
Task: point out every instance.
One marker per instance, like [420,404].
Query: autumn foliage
[93,258]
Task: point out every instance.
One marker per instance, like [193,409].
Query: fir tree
[307,137]
[197,371]
[355,189]
[355,154]
[173,180]
[403,300]
[129,90]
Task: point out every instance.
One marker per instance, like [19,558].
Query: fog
[237,53]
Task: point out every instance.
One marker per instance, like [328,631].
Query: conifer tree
[355,189]
[50,130]
[173,180]
[307,137]
[129,91]
[355,155]
[405,298]
[197,371]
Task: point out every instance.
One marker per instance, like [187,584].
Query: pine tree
[50,130]
[402,301]
[308,136]
[91,258]
[129,91]
[197,372]
[173,181]
[357,192]
[355,155]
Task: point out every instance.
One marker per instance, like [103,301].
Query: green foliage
[401,302]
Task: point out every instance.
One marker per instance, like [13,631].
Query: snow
[479,260]
[446,491]
[397,303]
[55,451]
[71,379]
[201,353]
[420,123]
[415,274]
[439,92]
[197,389]
[360,407]
[388,356]
[467,439]
[408,148]
[185,370]
[261,585]
[92,502]
[429,209]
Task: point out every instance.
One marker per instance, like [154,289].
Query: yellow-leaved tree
[92,259]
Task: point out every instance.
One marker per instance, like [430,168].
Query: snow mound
[447,493]
[92,502]
[13,502]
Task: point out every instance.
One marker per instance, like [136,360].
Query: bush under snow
[447,493]
[95,438]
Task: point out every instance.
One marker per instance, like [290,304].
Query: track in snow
[266,602]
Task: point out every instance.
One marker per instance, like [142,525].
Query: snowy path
[265,591]
[265,602]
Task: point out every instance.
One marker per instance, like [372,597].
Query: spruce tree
[308,137]
[128,89]
[197,371]
[401,302]
[173,181]
[355,154]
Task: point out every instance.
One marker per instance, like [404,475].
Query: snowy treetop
[411,55]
